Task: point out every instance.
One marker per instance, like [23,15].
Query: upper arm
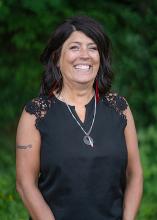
[27,148]
[134,164]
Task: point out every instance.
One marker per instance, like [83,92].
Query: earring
[97,91]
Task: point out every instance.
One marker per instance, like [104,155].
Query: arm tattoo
[24,146]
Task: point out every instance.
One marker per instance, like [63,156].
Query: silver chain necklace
[87,139]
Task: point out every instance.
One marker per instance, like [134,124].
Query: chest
[62,141]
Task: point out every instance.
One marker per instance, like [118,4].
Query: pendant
[88,140]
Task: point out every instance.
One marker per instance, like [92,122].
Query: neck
[78,96]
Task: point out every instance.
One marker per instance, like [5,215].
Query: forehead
[78,36]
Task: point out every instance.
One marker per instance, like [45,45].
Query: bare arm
[27,168]
[134,187]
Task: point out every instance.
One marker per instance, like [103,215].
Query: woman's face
[79,60]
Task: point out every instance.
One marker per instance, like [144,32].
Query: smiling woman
[77,154]
[79,60]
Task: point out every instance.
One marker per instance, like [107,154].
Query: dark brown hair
[52,78]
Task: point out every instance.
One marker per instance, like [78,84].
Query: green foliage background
[25,26]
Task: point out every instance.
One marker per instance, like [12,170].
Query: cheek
[97,62]
[69,55]
[64,59]
[66,63]
[96,58]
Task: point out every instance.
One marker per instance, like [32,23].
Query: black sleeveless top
[80,182]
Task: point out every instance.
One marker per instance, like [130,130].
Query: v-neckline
[89,112]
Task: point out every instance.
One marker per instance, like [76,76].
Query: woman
[77,152]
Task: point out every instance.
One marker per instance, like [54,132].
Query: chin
[84,81]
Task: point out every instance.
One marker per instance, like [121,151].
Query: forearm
[35,203]
[133,196]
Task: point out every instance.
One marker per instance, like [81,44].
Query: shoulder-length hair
[52,78]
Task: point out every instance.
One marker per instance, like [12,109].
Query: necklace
[87,139]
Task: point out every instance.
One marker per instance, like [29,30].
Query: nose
[84,53]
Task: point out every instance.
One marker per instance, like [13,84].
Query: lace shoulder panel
[38,107]
[117,102]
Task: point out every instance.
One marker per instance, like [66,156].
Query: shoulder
[118,103]
[37,107]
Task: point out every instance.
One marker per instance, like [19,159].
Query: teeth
[82,67]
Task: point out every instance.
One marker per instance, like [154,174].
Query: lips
[82,67]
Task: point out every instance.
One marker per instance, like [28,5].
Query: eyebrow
[77,42]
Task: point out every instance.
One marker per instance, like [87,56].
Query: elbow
[135,174]
[140,175]
[24,186]
[19,187]
[139,180]
[135,180]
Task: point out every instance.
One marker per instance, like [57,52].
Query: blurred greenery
[25,26]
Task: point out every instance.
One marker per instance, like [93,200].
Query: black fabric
[79,182]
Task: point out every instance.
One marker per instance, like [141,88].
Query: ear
[58,63]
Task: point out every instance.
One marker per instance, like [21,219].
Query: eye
[74,47]
[93,48]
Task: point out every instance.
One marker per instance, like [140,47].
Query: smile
[82,67]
